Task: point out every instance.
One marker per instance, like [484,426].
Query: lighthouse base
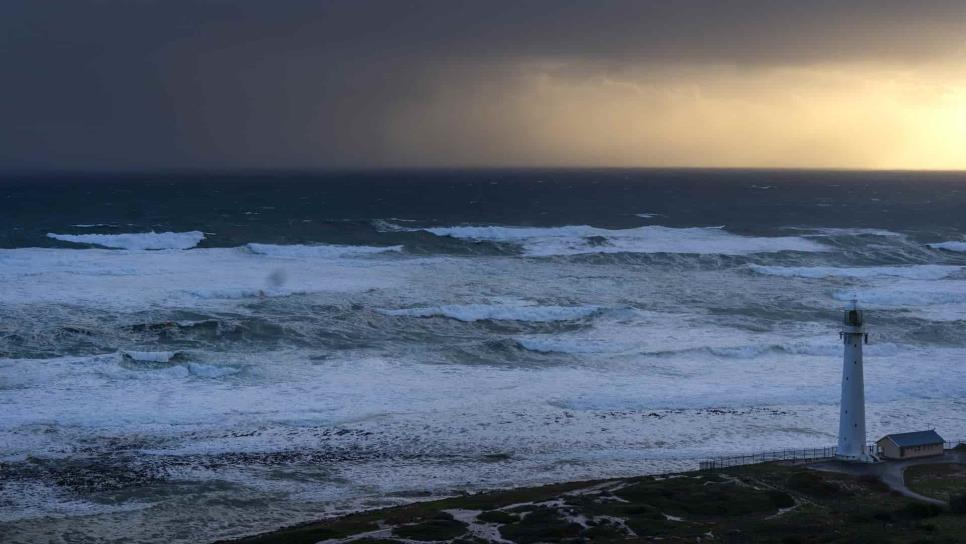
[860,458]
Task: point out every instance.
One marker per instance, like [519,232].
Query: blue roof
[918,438]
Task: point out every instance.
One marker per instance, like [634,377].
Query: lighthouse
[851,445]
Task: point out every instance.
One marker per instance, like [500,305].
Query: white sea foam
[318,250]
[111,279]
[559,422]
[583,239]
[136,240]
[634,394]
[921,272]
[103,396]
[27,499]
[957,246]
[481,312]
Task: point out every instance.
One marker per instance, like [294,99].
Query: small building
[909,445]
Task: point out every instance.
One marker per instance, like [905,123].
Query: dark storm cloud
[296,83]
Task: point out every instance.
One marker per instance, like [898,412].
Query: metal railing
[950,444]
[808,454]
[802,455]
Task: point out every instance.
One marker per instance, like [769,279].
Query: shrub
[920,510]
[957,504]
[442,526]
[882,516]
[541,525]
[605,531]
[496,516]
[810,483]
[872,481]
[781,499]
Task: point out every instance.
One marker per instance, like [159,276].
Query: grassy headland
[759,503]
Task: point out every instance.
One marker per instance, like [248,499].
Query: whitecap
[135,240]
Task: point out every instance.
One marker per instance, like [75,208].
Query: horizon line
[188,171]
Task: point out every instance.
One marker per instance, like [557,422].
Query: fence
[804,455]
[809,454]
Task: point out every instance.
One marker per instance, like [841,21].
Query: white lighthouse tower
[852,415]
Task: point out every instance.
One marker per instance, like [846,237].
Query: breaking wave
[135,240]
[239,293]
[317,250]
[105,278]
[830,349]
[173,364]
[838,231]
[211,371]
[151,356]
[483,312]
[568,345]
[959,247]
[908,294]
[750,351]
[584,239]
[917,272]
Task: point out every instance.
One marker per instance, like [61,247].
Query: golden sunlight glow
[854,116]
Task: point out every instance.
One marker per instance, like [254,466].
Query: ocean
[187,357]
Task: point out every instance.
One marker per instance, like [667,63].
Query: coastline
[765,502]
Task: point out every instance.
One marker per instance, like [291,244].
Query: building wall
[921,451]
[888,449]
[891,451]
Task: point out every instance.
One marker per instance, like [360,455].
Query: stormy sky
[172,84]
